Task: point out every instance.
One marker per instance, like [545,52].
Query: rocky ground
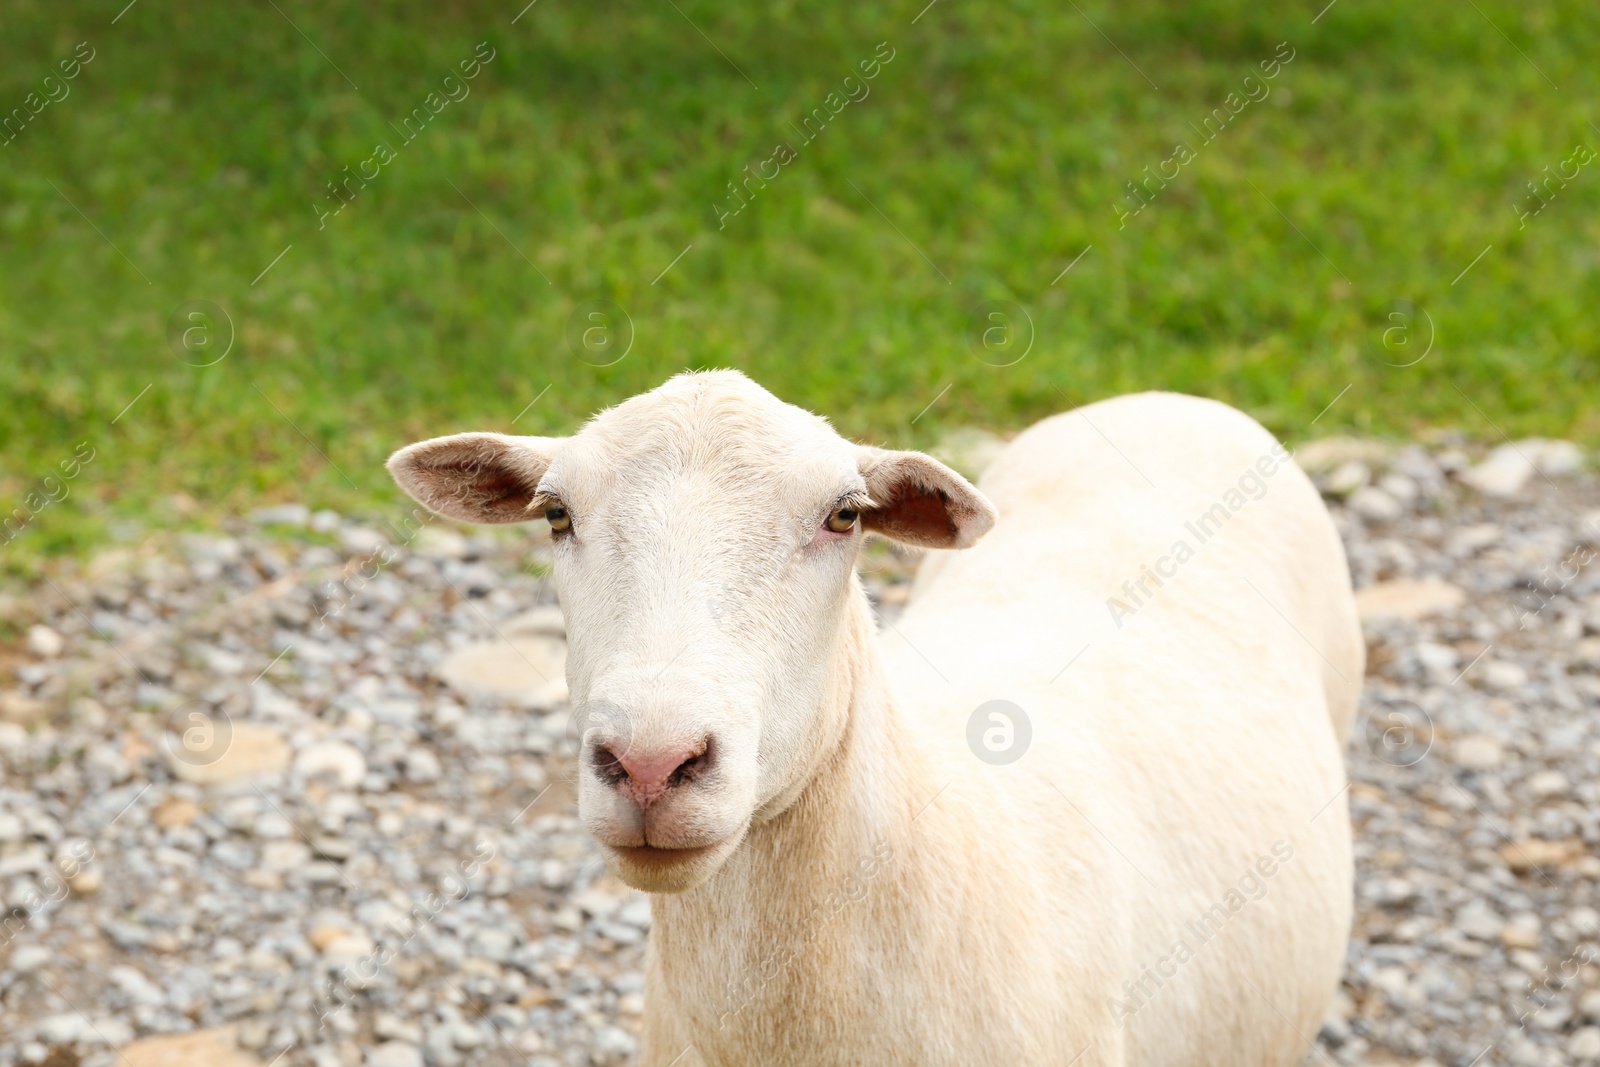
[294,793]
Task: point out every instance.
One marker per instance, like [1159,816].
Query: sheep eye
[842,521]
[558,518]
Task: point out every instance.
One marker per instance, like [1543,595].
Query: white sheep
[1143,858]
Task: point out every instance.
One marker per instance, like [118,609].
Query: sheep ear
[919,501]
[475,477]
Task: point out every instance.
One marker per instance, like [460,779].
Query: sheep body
[1164,875]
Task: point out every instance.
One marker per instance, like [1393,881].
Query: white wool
[1163,877]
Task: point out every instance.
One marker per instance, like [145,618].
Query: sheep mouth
[656,856]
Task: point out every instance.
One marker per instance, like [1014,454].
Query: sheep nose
[647,776]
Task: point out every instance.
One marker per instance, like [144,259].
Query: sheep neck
[792,887]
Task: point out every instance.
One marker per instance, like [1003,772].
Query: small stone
[272,824]
[1587,653]
[1348,478]
[136,986]
[545,619]
[203,548]
[395,1054]
[1531,853]
[348,948]
[88,880]
[1547,784]
[392,1027]
[174,812]
[1522,931]
[636,913]
[220,660]
[597,903]
[202,1048]
[1589,1005]
[1585,921]
[319,872]
[22,709]
[44,642]
[422,766]
[1532,963]
[1503,474]
[1480,921]
[465,1036]
[1328,453]
[1553,459]
[1375,505]
[1502,675]
[252,751]
[440,1049]
[281,856]
[339,760]
[281,515]
[1584,1044]
[1395,892]
[524,670]
[325,934]
[1440,661]
[361,541]
[1408,598]
[13,738]
[63,1029]
[439,542]
[29,958]
[1471,539]
[335,848]
[614,1045]
[1510,466]
[1400,488]
[1478,752]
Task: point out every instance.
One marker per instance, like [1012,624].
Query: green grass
[995,144]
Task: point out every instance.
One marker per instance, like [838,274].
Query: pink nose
[646,777]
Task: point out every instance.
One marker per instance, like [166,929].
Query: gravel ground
[295,792]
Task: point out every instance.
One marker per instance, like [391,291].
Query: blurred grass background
[997,144]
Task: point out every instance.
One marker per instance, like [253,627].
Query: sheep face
[704,541]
